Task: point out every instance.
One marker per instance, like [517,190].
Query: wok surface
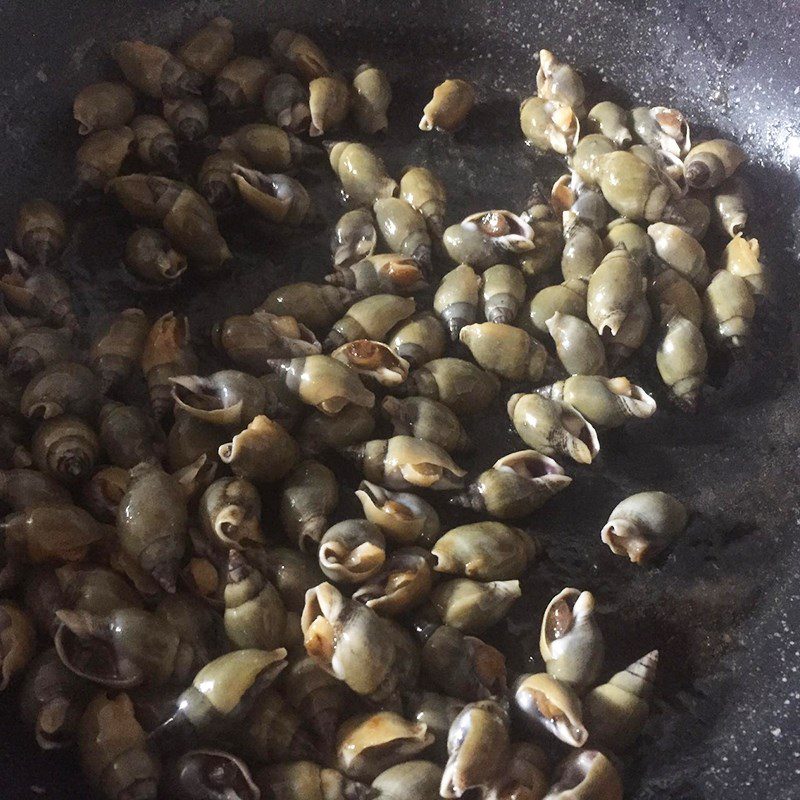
[724,606]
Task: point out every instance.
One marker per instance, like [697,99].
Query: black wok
[723,608]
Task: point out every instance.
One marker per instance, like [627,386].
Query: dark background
[723,607]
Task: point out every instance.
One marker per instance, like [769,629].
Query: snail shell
[157,148]
[427,419]
[741,258]
[221,695]
[63,388]
[682,252]
[254,613]
[488,237]
[328,103]
[154,71]
[167,353]
[272,731]
[403,229]
[503,293]
[417,779]
[437,711]
[21,489]
[708,164]
[681,360]
[291,572]
[297,53]
[485,551]
[251,341]
[129,436]
[404,581]
[352,551]
[631,187]
[557,80]
[478,746]
[212,774]
[404,462]
[369,743]
[52,700]
[362,174]
[425,192]
[463,666]
[285,101]
[103,105]
[617,710]
[730,206]
[51,533]
[99,159]
[578,345]
[419,339]
[570,641]
[606,402]
[583,248]
[278,198]
[117,350]
[354,238]
[40,230]
[672,294]
[113,750]
[262,453]
[615,288]
[351,642]
[310,493]
[311,304]
[372,94]
[240,83]
[568,298]
[516,485]
[191,225]
[585,775]
[317,696]
[374,360]
[151,523]
[471,606]
[612,121]
[728,309]
[635,238]
[543,702]
[147,197]
[370,318]
[209,49]
[404,518]
[456,299]
[268,148]
[17,642]
[383,273]
[553,428]
[187,116]
[642,525]
[305,780]
[324,382]
[65,448]
[448,108]
[549,124]
[229,513]
[462,386]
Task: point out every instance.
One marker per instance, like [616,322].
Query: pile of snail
[190,647]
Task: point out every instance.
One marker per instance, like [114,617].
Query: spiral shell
[478,746]
[617,710]
[553,428]
[570,641]
[642,525]
[544,702]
